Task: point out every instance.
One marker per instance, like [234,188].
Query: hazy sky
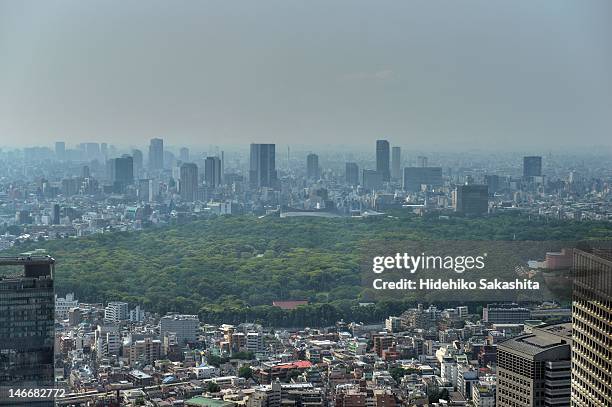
[423,73]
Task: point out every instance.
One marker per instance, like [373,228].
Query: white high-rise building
[116,312]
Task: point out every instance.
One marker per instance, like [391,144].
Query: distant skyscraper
[212,171]
[472,200]
[421,161]
[122,172]
[534,369]
[352,174]
[104,150]
[184,154]
[28,323]
[415,177]
[493,182]
[396,163]
[56,214]
[371,179]
[383,159]
[262,166]
[145,190]
[532,166]
[312,167]
[60,150]
[156,154]
[189,182]
[592,325]
[92,151]
[138,161]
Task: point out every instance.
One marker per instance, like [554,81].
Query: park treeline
[231,269]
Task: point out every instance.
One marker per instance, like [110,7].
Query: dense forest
[230,269]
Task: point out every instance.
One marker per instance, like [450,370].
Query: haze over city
[516,75]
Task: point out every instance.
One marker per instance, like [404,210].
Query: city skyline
[517,74]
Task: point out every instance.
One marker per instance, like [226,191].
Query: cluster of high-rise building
[96,187]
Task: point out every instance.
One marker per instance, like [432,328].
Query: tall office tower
[184,326]
[145,190]
[312,167]
[493,182]
[60,150]
[415,177]
[222,167]
[122,172]
[138,162]
[472,200]
[396,163]
[532,166]
[212,171]
[188,186]
[534,369]
[184,154]
[56,214]
[262,166]
[352,174]
[592,327]
[382,159]
[27,305]
[371,179]
[156,154]
[421,161]
[104,150]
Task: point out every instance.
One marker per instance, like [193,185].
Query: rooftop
[205,401]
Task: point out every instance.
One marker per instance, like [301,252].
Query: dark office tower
[492,182]
[27,329]
[396,163]
[312,167]
[352,174]
[262,167]
[122,172]
[104,150]
[212,171]
[382,159]
[156,154]
[534,370]
[184,154]
[188,186]
[532,166]
[472,200]
[371,179]
[60,150]
[592,327]
[85,173]
[56,214]
[415,177]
